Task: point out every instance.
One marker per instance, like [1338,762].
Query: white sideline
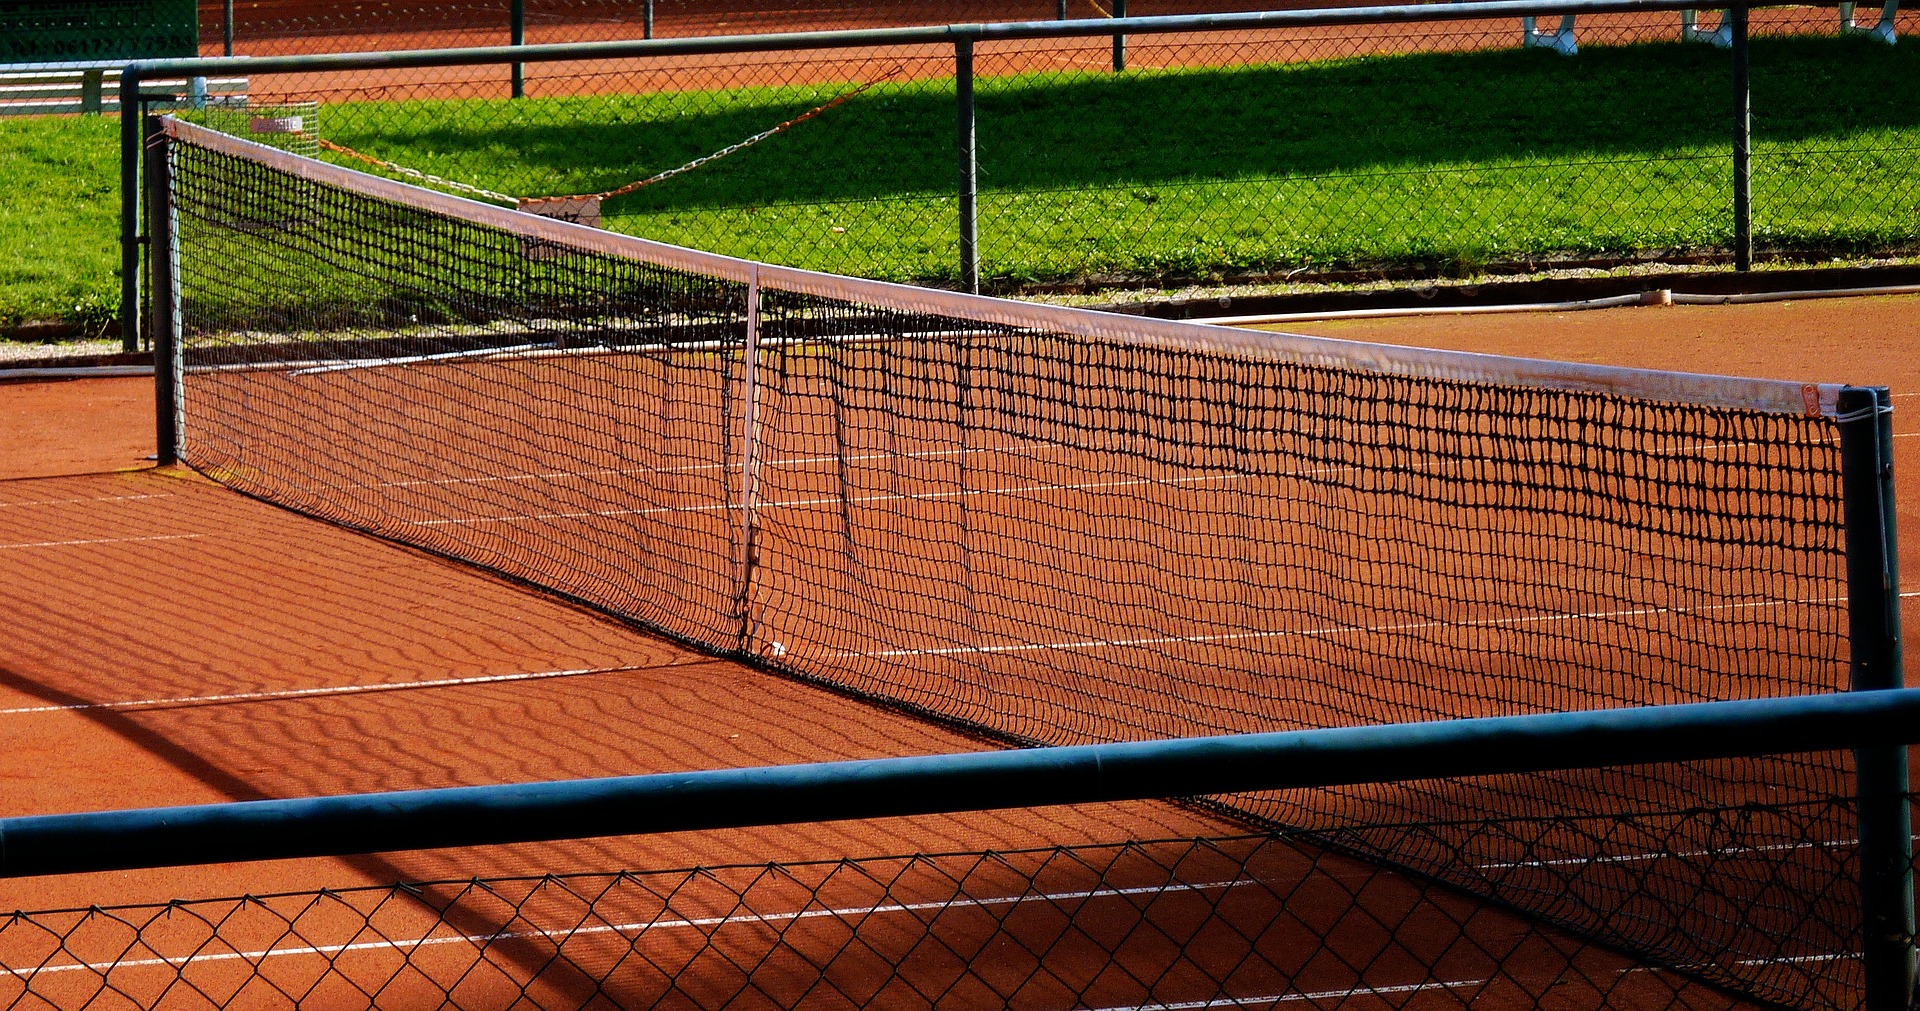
[83,501]
[1635,858]
[1166,482]
[307,693]
[1330,630]
[101,540]
[842,500]
[698,467]
[634,928]
[1270,1000]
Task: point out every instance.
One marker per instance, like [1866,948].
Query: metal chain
[525,202]
[844,96]
[411,173]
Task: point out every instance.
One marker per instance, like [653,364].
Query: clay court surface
[171,642]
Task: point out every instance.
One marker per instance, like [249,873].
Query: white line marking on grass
[102,540]
[635,928]
[307,693]
[1332,630]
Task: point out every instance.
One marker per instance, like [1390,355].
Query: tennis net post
[163,265]
[1873,618]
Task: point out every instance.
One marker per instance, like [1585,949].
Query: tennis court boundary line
[1332,630]
[102,540]
[330,690]
[637,928]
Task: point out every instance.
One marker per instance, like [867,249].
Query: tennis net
[1053,526]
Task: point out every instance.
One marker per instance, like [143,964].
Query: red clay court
[178,643]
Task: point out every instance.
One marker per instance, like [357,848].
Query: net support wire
[584,208]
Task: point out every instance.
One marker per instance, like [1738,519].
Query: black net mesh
[1062,528]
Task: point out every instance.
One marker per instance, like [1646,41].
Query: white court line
[1046,445]
[103,540]
[636,928]
[1271,1000]
[79,501]
[849,500]
[1015,490]
[417,359]
[549,349]
[1525,619]
[307,693]
[1634,858]
[698,467]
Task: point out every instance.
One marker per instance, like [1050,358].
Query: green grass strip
[1442,159]
[59,220]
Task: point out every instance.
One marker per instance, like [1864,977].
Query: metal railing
[342,825]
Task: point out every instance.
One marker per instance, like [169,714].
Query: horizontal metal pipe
[944,35]
[467,816]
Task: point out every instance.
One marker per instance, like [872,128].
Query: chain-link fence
[279,27]
[1412,149]
[1240,921]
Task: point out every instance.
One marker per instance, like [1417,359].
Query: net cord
[1766,395]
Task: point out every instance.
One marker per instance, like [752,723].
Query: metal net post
[165,290]
[1873,605]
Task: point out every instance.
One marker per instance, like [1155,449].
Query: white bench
[1560,38]
[93,87]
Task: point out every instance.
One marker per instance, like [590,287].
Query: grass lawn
[1444,159]
[60,220]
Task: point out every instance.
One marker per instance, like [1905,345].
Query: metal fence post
[163,264]
[517,30]
[132,111]
[1742,141]
[646,21]
[1119,41]
[1873,627]
[1060,10]
[226,27]
[969,167]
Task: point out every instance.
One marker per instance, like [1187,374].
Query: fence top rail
[873,37]
[873,788]
[58,66]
